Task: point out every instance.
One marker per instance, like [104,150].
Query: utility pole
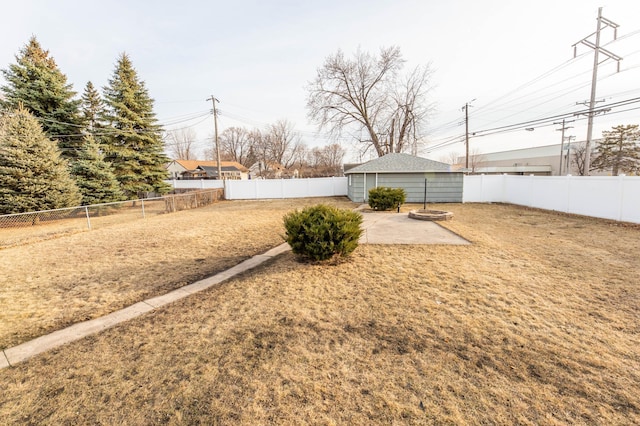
[594,78]
[562,142]
[568,163]
[215,127]
[465,108]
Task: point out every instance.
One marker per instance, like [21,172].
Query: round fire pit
[423,214]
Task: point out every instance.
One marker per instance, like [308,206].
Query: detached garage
[409,173]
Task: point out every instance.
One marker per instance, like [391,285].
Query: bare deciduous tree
[476,158]
[180,144]
[326,160]
[579,150]
[301,156]
[333,157]
[367,95]
[282,143]
[450,158]
[277,149]
[235,145]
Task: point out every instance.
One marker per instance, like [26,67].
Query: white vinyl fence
[270,188]
[195,183]
[608,197]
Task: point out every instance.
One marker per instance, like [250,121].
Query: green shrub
[384,198]
[322,232]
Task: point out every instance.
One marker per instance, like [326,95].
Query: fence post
[530,200]
[569,181]
[424,200]
[86,211]
[503,194]
[621,192]
[227,191]
[142,204]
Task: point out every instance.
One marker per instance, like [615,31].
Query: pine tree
[91,107]
[619,150]
[134,141]
[33,175]
[36,82]
[94,176]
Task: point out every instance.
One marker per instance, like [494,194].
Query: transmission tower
[597,49]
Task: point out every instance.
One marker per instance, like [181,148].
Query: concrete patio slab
[398,228]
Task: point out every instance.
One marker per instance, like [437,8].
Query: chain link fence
[22,228]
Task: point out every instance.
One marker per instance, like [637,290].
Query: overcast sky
[256,57]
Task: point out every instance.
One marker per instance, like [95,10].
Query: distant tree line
[278,145]
[58,150]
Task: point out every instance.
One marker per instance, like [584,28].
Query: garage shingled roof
[400,163]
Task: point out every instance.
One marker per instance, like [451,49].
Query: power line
[566,115]
[482,110]
[529,83]
[538,123]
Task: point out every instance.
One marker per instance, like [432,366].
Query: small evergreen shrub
[322,232]
[384,198]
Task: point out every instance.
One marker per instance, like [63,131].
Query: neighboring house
[211,172]
[409,173]
[200,169]
[268,170]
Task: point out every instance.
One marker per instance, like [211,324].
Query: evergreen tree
[36,82]
[91,107]
[619,150]
[33,175]
[133,142]
[94,176]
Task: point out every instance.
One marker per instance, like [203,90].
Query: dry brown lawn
[65,279]
[536,322]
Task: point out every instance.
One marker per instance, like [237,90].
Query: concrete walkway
[379,228]
[24,351]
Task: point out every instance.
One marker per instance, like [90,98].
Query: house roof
[193,164]
[212,171]
[400,163]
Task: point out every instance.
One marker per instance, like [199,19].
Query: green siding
[355,189]
[441,187]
